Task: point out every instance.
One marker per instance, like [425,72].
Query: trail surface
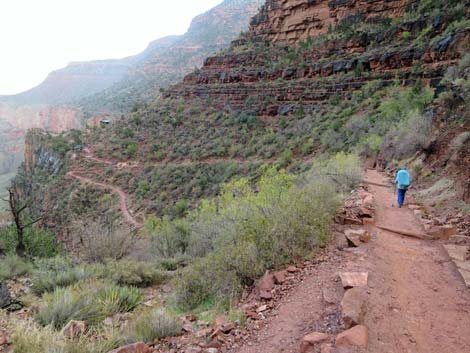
[123,198]
[416,301]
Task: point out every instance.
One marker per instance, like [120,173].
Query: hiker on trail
[403,182]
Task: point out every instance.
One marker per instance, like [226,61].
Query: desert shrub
[103,241]
[248,230]
[12,266]
[114,299]
[168,238]
[47,281]
[410,136]
[154,325]
[131,273]
[29,338]
[38,242]
[90,301]
[63,305]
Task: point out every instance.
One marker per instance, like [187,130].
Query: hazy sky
[39,36]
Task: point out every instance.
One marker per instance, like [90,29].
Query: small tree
[17,209]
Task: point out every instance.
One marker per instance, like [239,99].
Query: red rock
[312,340]
[265,295]
[280,277]
[354,279]
[292,269]
[4,340]
[326,348]
[357,336]
[74,329]
[353,307]
[266,283]
[133,348]
[442,232]
[203,333]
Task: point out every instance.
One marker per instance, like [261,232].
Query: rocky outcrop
[285,61]
[288,21]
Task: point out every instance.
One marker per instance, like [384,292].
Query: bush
[154,325]
[131,273]
[38,242]
[13,266]
[168,238]
[88,301]
[63,305]
[250,231]
[29,338]
[104,241]
[47,281]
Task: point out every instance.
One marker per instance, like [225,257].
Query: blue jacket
[403,179]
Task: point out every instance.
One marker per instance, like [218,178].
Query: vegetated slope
[361,76]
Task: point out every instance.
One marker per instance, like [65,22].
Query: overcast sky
[39,36]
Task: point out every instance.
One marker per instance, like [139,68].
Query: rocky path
[415,300]
[122,197]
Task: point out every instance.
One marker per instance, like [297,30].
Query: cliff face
[289,57]
[288,21]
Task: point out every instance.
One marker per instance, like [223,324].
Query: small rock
[280,277]
[353,307]
[203,333]
[166,289]
[262,308]
[74,329]
[212,350]
[326,348]
[266,283]
[4,340]
[354,279]
[357,336]
[292,269]
[310,341]
[193,349]
[133,348]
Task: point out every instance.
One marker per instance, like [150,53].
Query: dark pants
[401,196]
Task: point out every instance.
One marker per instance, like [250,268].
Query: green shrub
[29,338]
[168,238]
[250,231]
[154,325]
[47,281]
[12,266]
[63,305]
[131,273]
[115,299]
[38,242]
[90,301]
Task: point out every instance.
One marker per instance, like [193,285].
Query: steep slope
[308,78]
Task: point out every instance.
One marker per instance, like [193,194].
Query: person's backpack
[403,179]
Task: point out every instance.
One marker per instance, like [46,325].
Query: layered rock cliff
[288,58]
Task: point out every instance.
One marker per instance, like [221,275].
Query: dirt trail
[122,197]
[416,301]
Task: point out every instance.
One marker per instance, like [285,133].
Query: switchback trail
[122,197]
[416,302]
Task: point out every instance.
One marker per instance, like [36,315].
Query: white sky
[39,36]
